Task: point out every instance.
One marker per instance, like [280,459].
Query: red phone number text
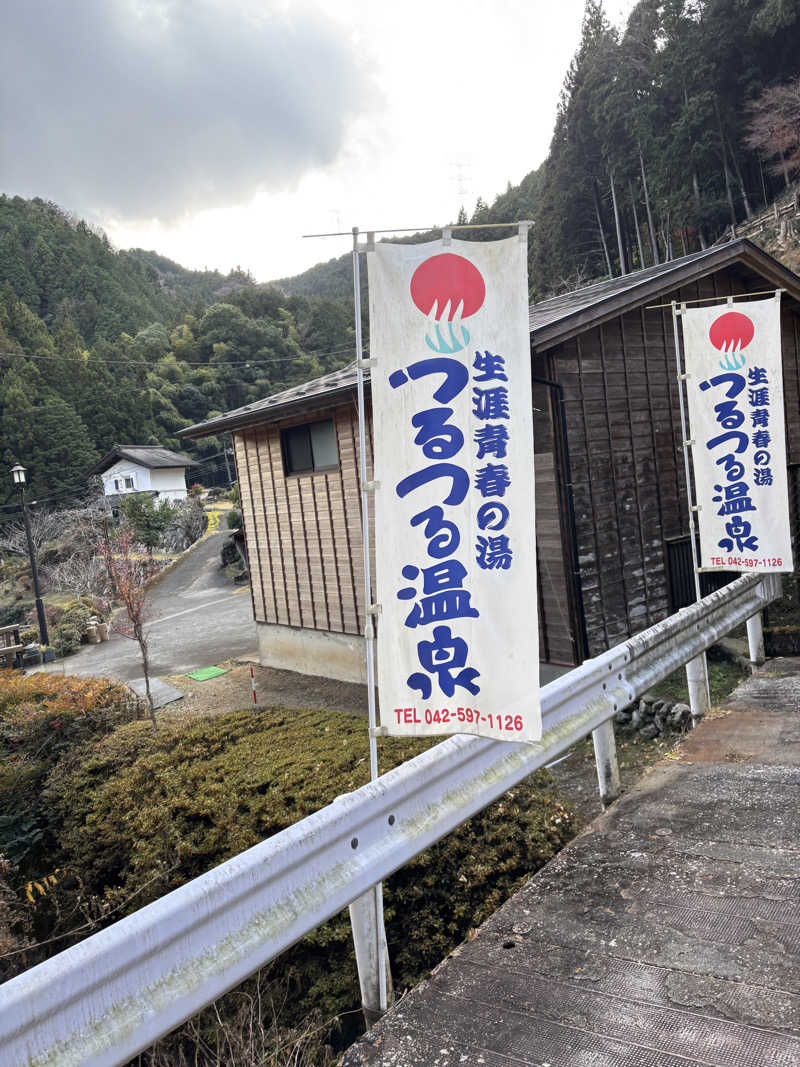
[431,716]
[744,561]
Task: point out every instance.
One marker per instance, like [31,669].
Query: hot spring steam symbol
[447,288]
[730,333]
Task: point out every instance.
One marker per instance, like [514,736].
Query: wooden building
[611,501]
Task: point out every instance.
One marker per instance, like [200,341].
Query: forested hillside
[666,133]
[653,151]
[99,347]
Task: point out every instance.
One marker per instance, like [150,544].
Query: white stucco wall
[122,469]
[168,482]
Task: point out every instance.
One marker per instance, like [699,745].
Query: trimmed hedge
[139,814]
[42,718]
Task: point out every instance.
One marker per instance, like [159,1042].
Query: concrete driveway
[199,617]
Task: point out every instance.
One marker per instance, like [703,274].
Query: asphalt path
[198,618]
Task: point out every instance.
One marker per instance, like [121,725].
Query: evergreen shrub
[229,554]
[139,814]
[15,613]
[147,519]
[73,625]
[42,718]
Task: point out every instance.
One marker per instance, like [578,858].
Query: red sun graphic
[444,278]
[731,332]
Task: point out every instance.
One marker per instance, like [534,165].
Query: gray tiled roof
[549,311]
[150,456]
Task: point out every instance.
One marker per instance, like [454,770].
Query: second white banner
[736,414]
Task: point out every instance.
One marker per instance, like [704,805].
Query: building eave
[741,251]
[242,420]
[629,292]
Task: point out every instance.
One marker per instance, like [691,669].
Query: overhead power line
[188,363]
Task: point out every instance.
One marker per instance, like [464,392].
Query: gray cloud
[154,109]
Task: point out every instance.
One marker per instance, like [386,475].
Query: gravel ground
[284,689]
[577,777]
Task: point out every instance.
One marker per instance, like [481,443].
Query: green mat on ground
[202,674]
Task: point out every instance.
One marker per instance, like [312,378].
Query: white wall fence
[112,995]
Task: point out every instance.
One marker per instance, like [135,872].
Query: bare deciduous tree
[774,127]
[127,576]
[46,526]
[78,575]
[188,524]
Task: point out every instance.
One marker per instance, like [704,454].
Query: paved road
[665,935]
[199,618]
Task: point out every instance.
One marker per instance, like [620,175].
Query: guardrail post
[697,683]
[364,921]
[605,757]
[755,639]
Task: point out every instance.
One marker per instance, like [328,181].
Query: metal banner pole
[368,924]
[696,669]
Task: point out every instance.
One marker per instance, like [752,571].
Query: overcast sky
[220,131]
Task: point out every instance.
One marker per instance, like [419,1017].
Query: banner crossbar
[711,299]
[429,229]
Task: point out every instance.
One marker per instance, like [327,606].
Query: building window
[128,483]
[309,448]
[117,485]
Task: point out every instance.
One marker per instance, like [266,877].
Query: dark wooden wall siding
[629,485]
[790,330]
[623,427]
[303,532]
[557,638]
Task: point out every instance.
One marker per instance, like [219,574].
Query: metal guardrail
[105,999]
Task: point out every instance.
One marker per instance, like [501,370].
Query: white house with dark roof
[159,472]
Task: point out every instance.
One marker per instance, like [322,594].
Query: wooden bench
[10,646]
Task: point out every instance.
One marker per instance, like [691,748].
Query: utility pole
[18,474]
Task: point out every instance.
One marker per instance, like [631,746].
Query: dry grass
[243,1030]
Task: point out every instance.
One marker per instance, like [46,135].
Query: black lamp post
[18,474]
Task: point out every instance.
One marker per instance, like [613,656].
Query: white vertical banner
[458,648]
[735,391]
